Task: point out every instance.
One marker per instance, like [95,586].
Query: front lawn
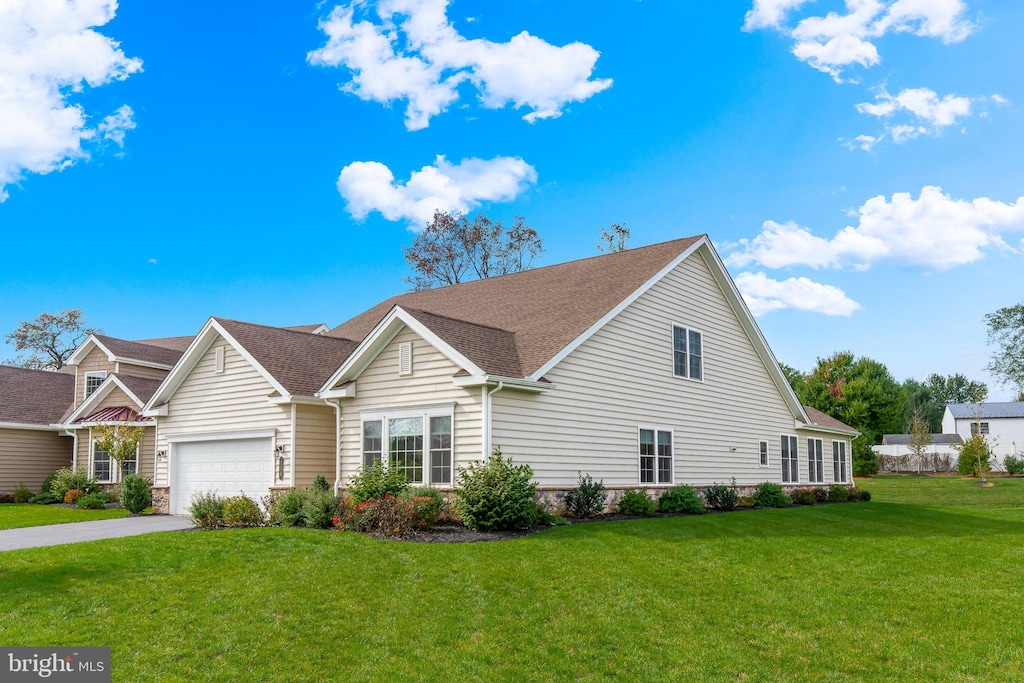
[864,591]
[946,490]
[14,516]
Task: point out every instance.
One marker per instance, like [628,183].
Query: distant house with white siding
[1002,424]
[643,368]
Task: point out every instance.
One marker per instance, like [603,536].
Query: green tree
[614,238]
[956,389]
[795,378]
[1006,331]
[50,339]
[921,403]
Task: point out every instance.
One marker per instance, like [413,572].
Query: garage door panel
[224,467]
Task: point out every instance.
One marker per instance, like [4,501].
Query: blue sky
[216,192]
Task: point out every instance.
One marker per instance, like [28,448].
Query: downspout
[337,444]
[74,453]
[486,436]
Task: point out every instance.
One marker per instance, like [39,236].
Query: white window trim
[845,461]
[102,374]
[809,454]
[639,476]
[793,456]
[767,453]
[703,355]
[447,410]
[116,473]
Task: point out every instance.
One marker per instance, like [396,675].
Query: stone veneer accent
[161,500]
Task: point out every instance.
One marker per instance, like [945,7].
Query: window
[687,353]
[130,465]
[763,448]
[100,464]
[372,442]
[405,358]
[218,360]
[839,462]
[815,471]
[418,443]
[441,450]
[790,465]
[655,456]
[93,380]
[983,427]
[405,447]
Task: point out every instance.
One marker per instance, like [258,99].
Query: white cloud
[369,186]
[835,41]
[49,52]
[414,54]
[914,112]
[932,231]
[764,295]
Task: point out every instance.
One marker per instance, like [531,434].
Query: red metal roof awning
[114,414]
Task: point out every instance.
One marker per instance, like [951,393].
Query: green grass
[946,491]
[14,516]
[867,591]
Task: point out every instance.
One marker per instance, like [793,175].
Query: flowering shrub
[424,511]
[72,496]
[837,493]
[804,496]
[66,479]
[389,516]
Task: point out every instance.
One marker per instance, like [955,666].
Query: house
[1002,424]
[643,368]
[894,454]
[31,447]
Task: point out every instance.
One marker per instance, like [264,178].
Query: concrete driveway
[77,532]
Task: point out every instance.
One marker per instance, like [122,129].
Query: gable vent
[218,356]
[405,358]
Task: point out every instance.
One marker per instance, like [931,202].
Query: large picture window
[839,462]
[687,353]
[418,444]
[815,469]
[655,456]
[790,464]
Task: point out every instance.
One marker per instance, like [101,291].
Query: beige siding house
[31,447]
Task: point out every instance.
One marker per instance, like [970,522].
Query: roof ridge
[55,373]
[304,335]
[448,317]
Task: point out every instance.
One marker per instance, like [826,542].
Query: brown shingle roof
[300,361]
[142,387]
[146,352]
[174,343]
[34,396]
[305,328]
[822,420]
[520,321]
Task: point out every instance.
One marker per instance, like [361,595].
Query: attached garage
[225,466]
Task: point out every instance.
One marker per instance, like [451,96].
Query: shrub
[288,508]
[21,494]
[820,494]
[135,494]
[974,456]
[865,460]
[240,512]
[48,482]
[587,498]
[744,502]
[496,494]
[769,495]
[637,503]
[804,496]
[837,493]
[320,483]
[6,498]
[721,497]
[92,501]
[206,510]
[858,495]
[1013,464]
[345,515]
[681,499]
[864,495]
[389,516]
[44,499]
[318,508]
[72,496]
[428,505]
[376,482]
[67,479]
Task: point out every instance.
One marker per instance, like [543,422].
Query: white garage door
[225,467]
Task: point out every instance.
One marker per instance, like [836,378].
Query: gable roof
[904,439]
[137,389]
[824,420]
[149,353]
[986,410]
[174,343]
[512,324]
[36,397]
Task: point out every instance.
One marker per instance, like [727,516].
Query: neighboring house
[643,368]
[894,453]
[31,446]
[1002,424]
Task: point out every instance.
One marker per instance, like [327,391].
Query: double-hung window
[763,449]
[815,469]
[655,456]
[979,428]
[839,462]
[130,465]
[687,353]
[93,380]
[790,463]
[100,464]
[418,444]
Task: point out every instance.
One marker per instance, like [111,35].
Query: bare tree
[453,249]
[51,339]
[614,238]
